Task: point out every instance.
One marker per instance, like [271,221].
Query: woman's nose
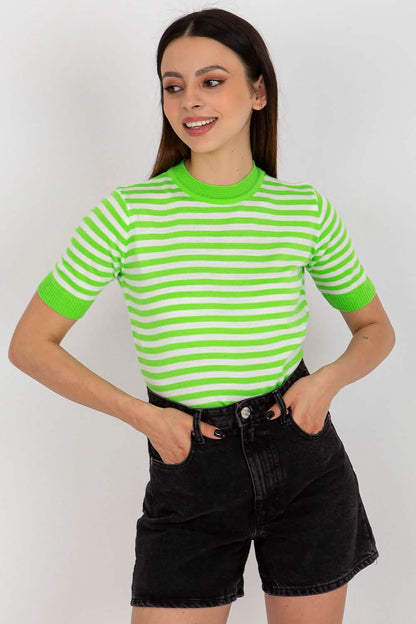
[191,99]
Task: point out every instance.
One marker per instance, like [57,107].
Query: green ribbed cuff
[353,300]
[60,299]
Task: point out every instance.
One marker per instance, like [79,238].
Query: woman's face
[221,93]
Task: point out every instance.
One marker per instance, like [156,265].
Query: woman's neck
[219,171]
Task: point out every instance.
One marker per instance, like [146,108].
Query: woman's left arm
[373,338]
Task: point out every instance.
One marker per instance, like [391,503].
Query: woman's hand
[170,434]
[309,399]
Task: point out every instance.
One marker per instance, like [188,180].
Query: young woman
[210,253]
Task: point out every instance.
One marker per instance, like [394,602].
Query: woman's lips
[202,130]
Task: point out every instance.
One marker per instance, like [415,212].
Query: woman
[210,253]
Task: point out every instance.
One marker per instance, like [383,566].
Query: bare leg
[327,608]
[162,615]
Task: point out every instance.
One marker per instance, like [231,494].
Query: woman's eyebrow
[204,70]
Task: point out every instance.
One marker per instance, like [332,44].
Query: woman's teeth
[198,124]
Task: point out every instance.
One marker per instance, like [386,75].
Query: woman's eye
[213,80]
[206,81]
[170,87]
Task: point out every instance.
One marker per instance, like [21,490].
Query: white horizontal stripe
[237,240]
[221,307]
[200,356]
[153,340]
[148,223]
[185,298]
[219,210]
[341,291]
[229,318]
[210,264]
[187,329]
[69,288]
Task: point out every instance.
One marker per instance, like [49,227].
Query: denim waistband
[241,412]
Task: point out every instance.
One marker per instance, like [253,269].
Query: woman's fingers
[210,431]
[274,412]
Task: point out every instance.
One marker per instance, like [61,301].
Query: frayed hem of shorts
[184,603]
[307,590]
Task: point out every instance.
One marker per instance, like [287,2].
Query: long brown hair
[241,37]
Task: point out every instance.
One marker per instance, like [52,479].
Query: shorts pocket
[305,434]
[157,462]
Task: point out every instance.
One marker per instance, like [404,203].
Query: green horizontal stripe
[199,343]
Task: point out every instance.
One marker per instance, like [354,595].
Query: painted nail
[219,433]
[269,414]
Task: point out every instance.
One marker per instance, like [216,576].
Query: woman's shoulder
[143,184]
[285,183]
[144,190]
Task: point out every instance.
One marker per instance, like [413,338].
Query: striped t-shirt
[212,277]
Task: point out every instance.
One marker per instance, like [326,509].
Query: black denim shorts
[293,493]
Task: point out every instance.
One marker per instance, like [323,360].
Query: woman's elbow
[388,336]
[18,351]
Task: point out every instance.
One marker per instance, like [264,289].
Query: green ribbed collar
[213,193]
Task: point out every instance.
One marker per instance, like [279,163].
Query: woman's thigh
[326,608]
[156,615]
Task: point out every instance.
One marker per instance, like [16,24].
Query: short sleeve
[334,265]
[93,258]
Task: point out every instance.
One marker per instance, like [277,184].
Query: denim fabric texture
[293,493]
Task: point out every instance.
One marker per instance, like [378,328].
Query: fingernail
[219,433]
[269,414]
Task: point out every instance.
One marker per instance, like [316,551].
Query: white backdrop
[80,115]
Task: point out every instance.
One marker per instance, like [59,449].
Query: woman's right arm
[35,349]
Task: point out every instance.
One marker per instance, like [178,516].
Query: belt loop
[196,427]
[282,405]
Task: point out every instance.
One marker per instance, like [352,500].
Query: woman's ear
[261,96]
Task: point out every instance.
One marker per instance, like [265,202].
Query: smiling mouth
[201,129]
[200,124]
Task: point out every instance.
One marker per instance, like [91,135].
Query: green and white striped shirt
[212,277]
